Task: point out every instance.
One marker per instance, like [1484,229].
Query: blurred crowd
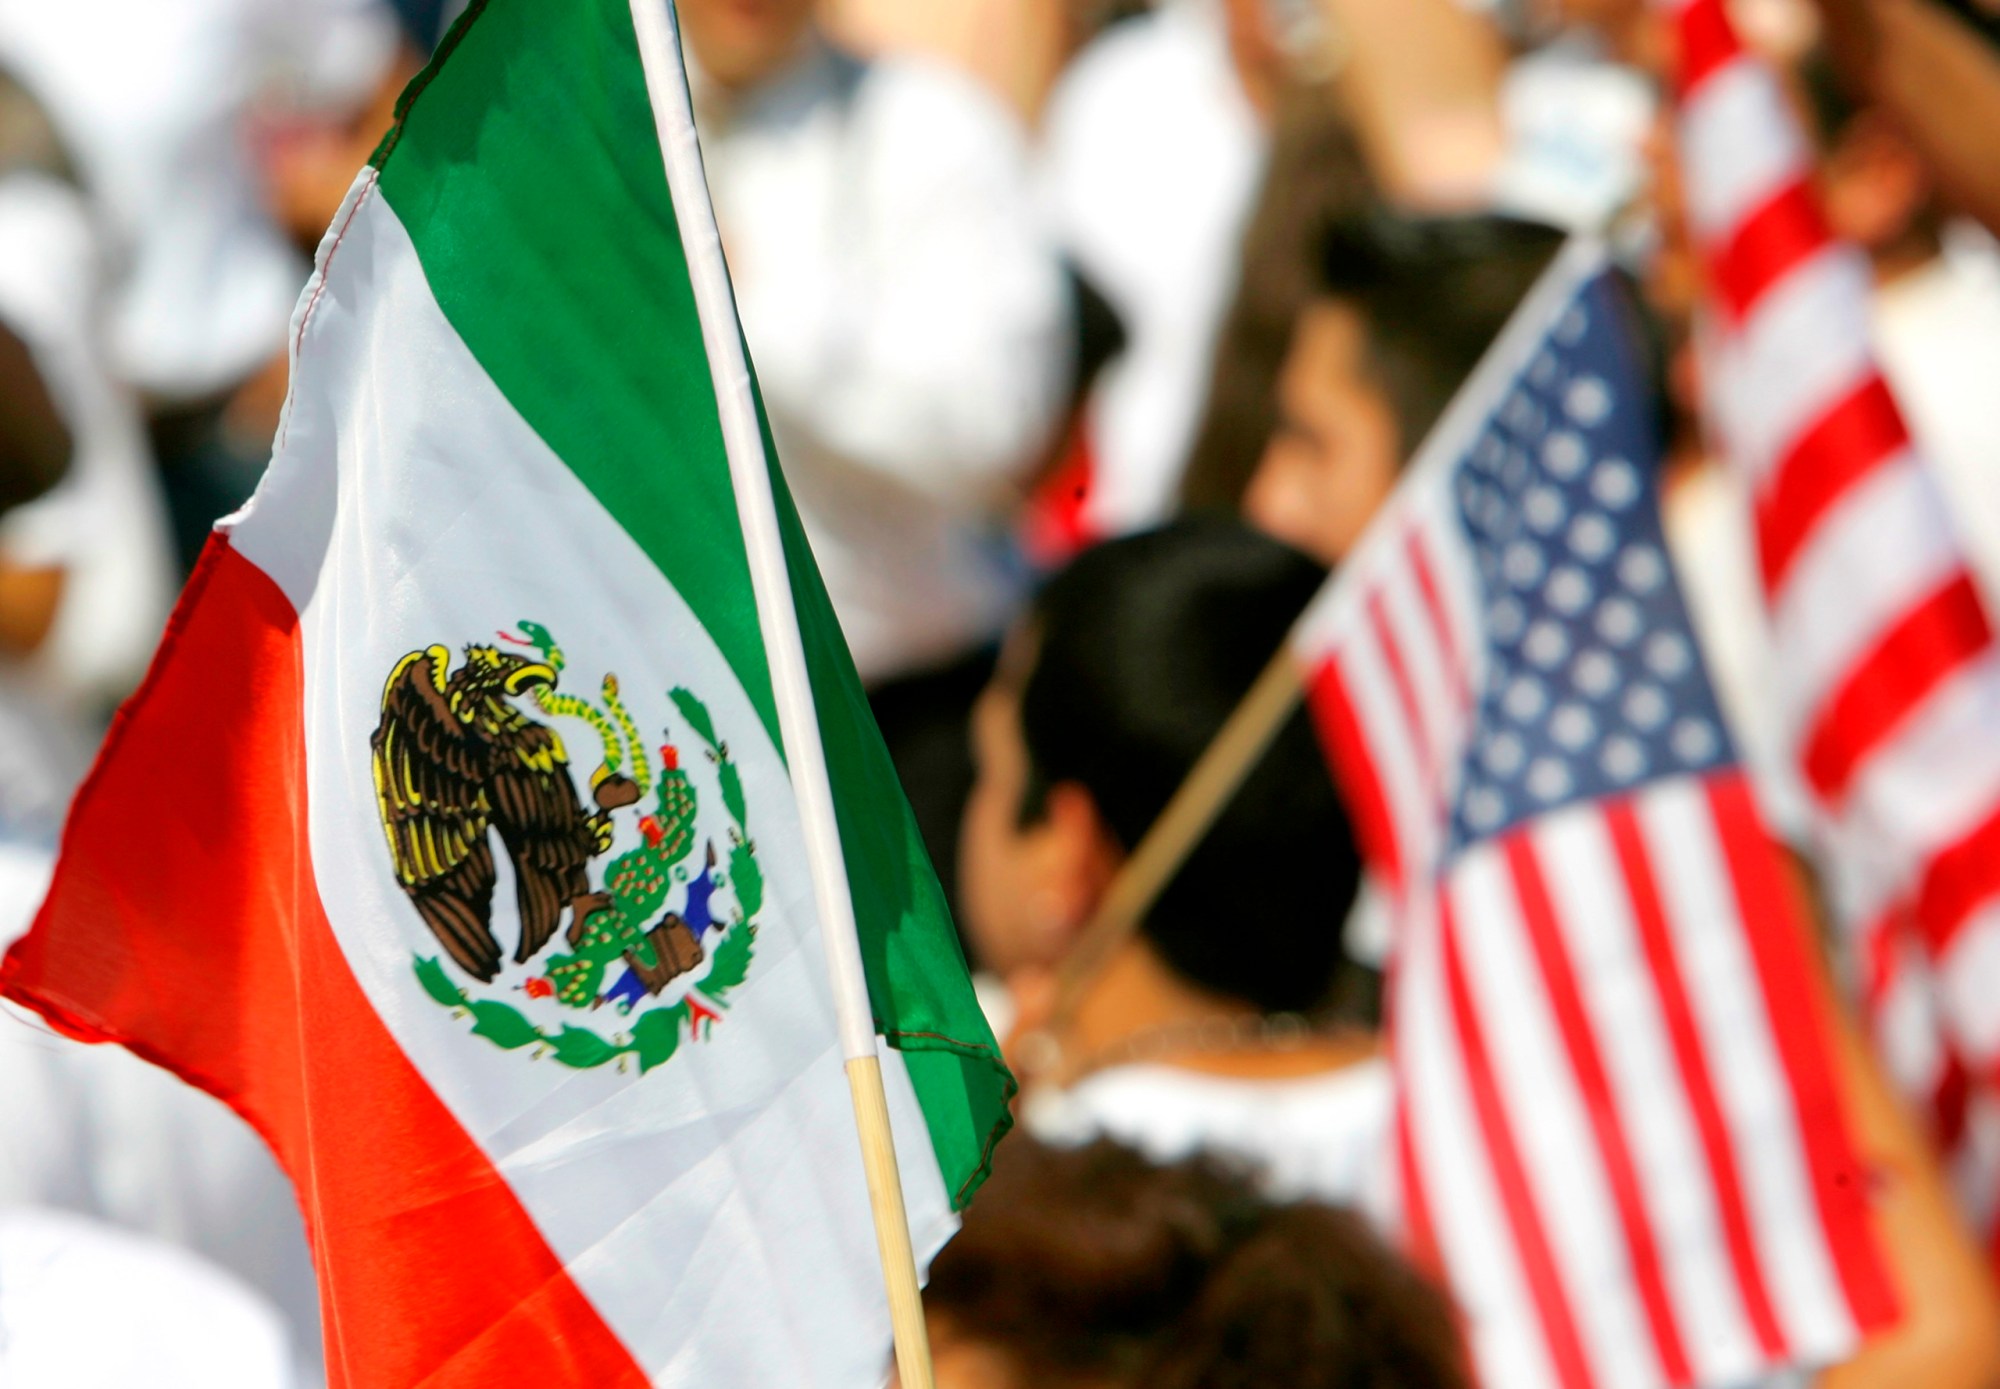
[1091,333]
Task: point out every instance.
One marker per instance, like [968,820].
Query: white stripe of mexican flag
[492,908]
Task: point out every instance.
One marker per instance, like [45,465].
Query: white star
[1642,569]
[1564,455]
[1595,673]
[1572,326]
[1546,645]
[1522,564]
[1694,740]
[1646,706]
[1506,619]
[1544,509]
[1484,807]
[1622,759]
[1504,754]
[1569,591]
[1521,414]
[1615,483]
[1619,621]
[1592,536]
[1667,655]
[1525,699]
[1588,401]
[1548,779]
[1572,726]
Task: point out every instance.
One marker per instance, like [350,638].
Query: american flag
[1890,671]
[1618,1136]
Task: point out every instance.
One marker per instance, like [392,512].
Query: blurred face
[739,43]
[1025,889]
[1336,453]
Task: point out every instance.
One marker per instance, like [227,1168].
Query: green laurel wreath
[657,1035]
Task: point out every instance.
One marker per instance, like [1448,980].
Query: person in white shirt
[84,1306]
[1232,1022]
[85,580]
[153,101]
[159,107]
[1153,147]
[1155,142]
[911,332]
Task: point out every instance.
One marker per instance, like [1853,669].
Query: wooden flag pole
[657,30]
[1187,817]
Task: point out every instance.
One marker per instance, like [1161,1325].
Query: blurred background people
[149,278]
[1234,1021]
[1091,1268]
[1406,307]
[86,1306]
[1155,144]
[156,104]
[911,330]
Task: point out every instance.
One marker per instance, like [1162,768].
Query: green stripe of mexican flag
[523,168]
[450,839]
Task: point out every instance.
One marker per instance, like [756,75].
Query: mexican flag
[451,839]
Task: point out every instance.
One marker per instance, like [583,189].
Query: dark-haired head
[1091,1266]
[1130,663]
[1407,308]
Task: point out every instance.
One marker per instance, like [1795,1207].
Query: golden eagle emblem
[659,934]
[454,761]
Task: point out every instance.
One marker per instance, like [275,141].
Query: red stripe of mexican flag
[451,839]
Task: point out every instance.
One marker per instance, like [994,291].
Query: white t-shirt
[152,99]
[1152,158]
[86,1307]
[1576,125]
[104,525]
[910,328]
[1937,331]
[1323,1137]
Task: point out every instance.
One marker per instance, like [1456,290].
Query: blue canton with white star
[1594,683]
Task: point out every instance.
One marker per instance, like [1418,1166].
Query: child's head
[1406,310]
[1126,668]
[1093,1267]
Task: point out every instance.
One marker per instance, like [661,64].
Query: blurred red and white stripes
[1890,671]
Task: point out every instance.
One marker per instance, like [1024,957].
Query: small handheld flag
[470,835]
[1619,1137]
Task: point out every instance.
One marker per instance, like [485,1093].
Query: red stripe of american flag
[1587,1062]
[1770,913]
[1524,1221]
[1691,1061]
[1333,715]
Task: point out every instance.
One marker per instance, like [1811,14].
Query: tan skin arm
[1937,78]
[1016,47]
[1949,1333]
[1422,80]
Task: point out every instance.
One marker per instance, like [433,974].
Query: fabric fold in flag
[1619,1138]
[451,839]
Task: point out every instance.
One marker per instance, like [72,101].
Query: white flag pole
[743,441]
